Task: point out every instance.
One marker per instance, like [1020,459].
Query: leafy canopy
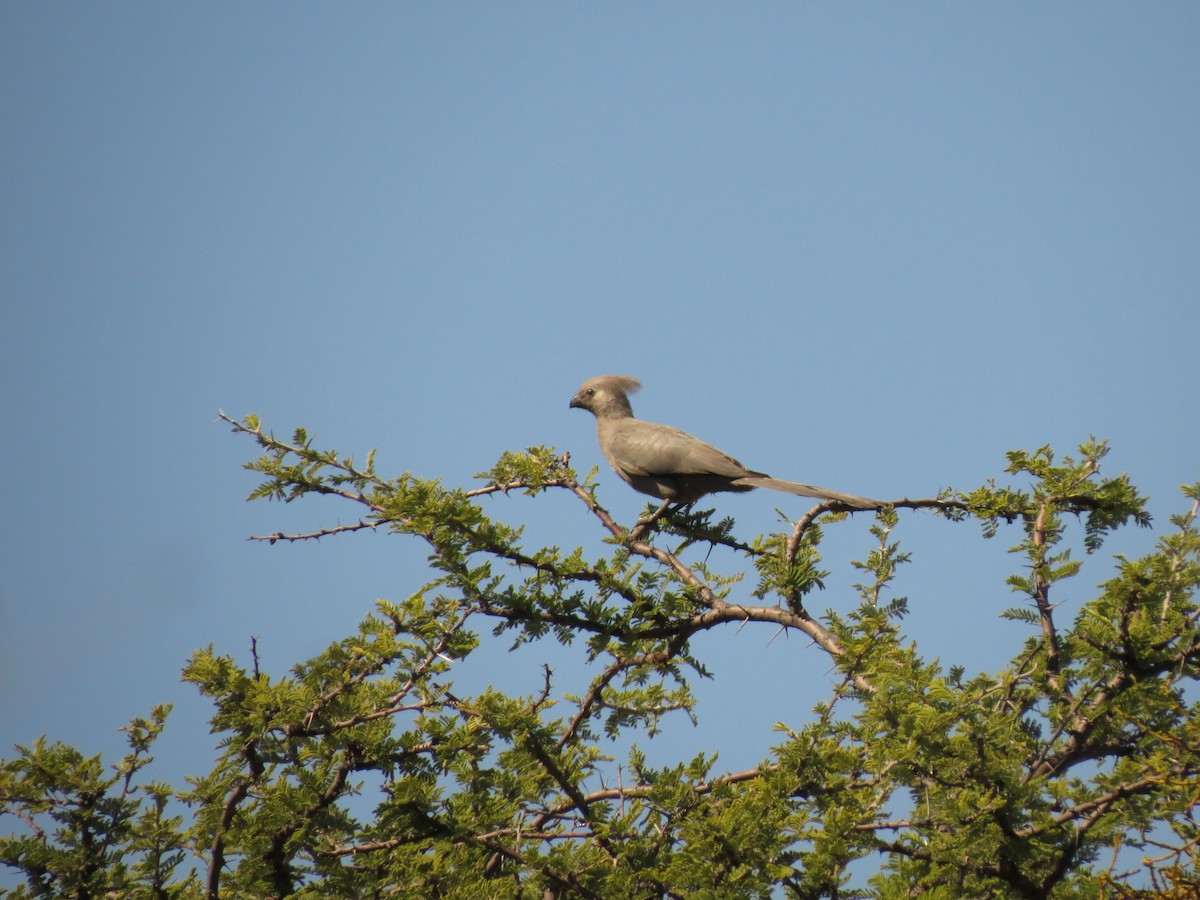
[1070,772]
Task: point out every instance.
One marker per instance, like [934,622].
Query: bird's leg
[645,521]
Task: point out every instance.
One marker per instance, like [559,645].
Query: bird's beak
[575,404]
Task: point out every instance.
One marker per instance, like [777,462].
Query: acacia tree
[1070,772]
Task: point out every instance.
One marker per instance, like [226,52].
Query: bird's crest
[626,384]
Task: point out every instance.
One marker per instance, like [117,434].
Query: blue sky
[868,246]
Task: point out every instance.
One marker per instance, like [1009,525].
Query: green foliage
[87,832]
[365,771]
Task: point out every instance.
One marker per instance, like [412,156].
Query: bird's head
[606,396]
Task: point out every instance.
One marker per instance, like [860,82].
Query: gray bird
[670,464]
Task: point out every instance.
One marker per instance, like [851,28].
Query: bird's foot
[645,522]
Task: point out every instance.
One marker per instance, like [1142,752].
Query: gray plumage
[670,464]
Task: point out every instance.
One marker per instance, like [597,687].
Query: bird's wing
[648,449]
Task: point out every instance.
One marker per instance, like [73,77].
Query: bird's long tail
[807,490]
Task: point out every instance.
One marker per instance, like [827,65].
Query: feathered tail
[807,490]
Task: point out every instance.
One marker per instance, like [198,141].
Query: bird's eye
[591,392]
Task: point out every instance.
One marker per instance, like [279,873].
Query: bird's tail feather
[807,490]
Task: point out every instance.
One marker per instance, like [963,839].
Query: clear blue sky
[870,246]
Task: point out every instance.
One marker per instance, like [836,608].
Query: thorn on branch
[315,535]
[545,695]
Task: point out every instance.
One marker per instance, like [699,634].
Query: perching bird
[670,464]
